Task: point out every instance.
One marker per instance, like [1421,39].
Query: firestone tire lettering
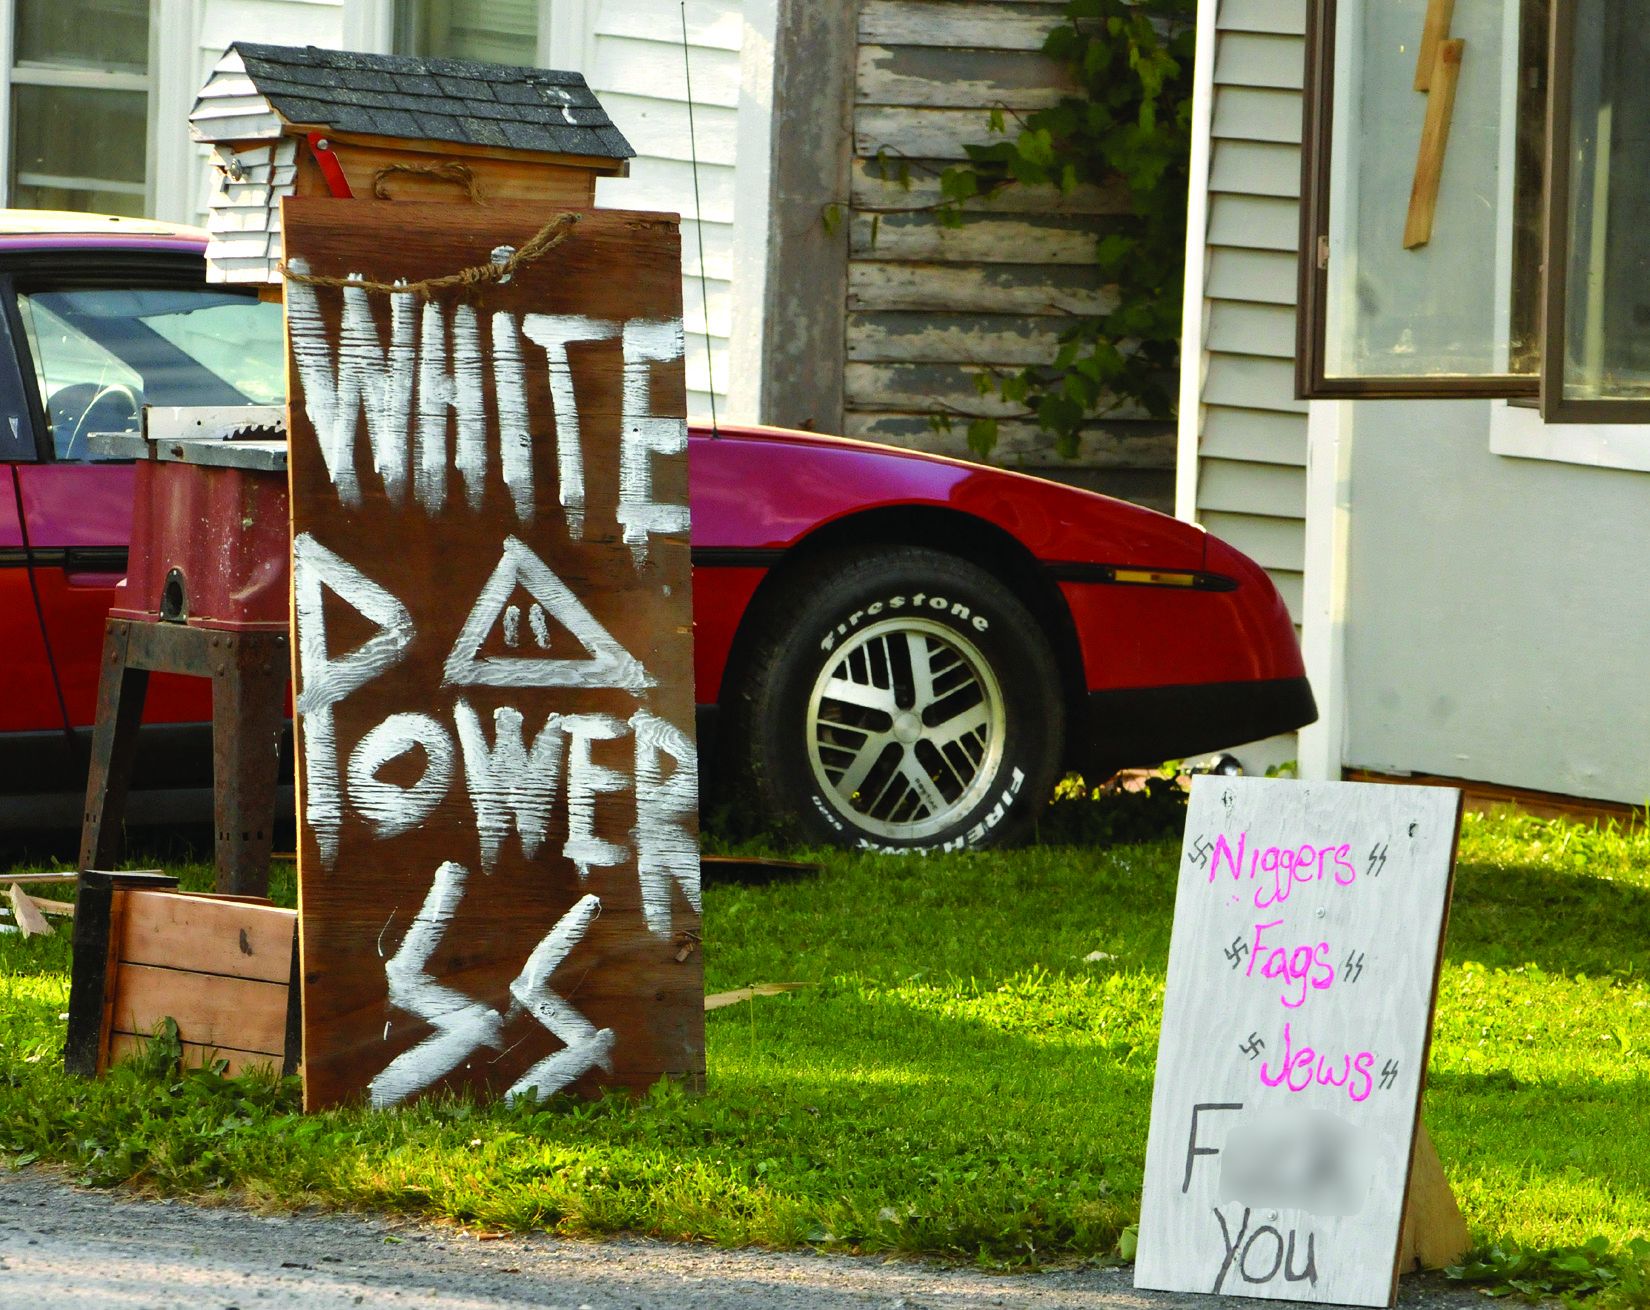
[837,609]
[955,609]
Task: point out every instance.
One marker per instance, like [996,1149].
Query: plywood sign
[498,866]
[1303,965]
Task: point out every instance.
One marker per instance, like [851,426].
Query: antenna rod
[699,225]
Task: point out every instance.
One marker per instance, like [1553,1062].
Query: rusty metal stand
[249,672]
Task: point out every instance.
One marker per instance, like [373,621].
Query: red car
[894,649]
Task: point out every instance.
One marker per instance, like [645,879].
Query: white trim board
[1195,309]
[1519,432]
[1324,591]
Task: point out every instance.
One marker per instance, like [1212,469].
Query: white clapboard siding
[277,22]
[1251,475]
[637,68]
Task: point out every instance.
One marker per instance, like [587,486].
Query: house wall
[1245,442]
[1485,619]
[636,67]
[631,52]
[1499,622]
[927,306]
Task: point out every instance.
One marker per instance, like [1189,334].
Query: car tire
[900,698]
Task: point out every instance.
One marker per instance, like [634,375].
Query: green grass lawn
[966,1077]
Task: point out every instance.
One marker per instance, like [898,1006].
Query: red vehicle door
[94,347]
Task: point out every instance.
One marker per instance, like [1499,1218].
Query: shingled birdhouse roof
[300,121]
[536,110]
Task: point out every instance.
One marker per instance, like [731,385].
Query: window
[1475,185]
[1422,198]
[102,353]
[488,31]
[80,105]
[1598,277]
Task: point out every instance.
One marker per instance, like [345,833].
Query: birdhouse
[291,120]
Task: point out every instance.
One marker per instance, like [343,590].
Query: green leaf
[982,436]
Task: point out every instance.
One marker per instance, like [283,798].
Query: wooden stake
[1434,1234]
[1429,163]
[30,922]
[1434,31]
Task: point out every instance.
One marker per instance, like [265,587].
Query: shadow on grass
[1564,921]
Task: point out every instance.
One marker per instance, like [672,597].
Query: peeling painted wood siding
[930,307]
[1252,443]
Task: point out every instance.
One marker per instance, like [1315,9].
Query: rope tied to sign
[495,272]
[445,171]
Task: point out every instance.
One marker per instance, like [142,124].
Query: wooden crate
[223,968]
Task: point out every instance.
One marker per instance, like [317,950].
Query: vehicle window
[102,353]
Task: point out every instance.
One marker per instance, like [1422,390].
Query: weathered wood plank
[977,288]
[921,133]
[877,186]
[1282,17]
[1271,543]
[938,388]
[1256,114]
[498,856]
[958,24]
[1022,444]
[1255,168]
[942,77]
[1256,59]
[1261,435]
[1253,222]
[1272,490]
[234,938]
[995,339]
[1259,275]
[210,1010]
[123,1046]
[1056,239]
[922,389]
[1251,382]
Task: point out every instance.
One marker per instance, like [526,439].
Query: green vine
[1129,127]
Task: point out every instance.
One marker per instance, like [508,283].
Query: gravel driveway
[62,1248]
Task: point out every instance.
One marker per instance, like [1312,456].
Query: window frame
[1312,270]
[1555,406]
[23,273]
[14,74]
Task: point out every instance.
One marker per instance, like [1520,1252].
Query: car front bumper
[1147,725]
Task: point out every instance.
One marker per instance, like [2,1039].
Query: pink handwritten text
[1301,968]
[1287,867]
[1301,1067]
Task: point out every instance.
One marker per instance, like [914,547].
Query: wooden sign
[498,859]
[1309,926]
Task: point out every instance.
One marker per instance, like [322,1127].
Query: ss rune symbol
[463,1025]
